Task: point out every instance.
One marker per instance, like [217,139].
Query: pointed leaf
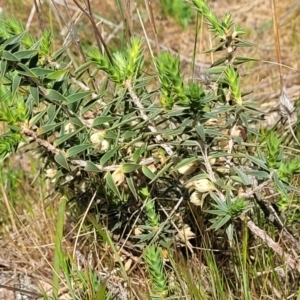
[15,85]
[220,222]
[259,174]
[54,75]
[37,117]
[128,168]
[61,160]
[103,119]
[82,68]
[162,171]
[25,54]
[91,167]
[77,149]
[280,184]
[200,130]
[108,155]
[77,97]
[41,71]
[3,69]
[35,94]
[244,178]
[47,128]
[26,71]
[136,156]
[185,162]
[55,95]
[112,185]
[147,172]
[131,186]
[9,56]
[65,137]
[258,162]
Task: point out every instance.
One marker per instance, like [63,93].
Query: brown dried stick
[290,261]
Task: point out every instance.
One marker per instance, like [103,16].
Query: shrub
[145,149]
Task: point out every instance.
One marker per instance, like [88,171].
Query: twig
[76,162]
[139,105]
[290,261]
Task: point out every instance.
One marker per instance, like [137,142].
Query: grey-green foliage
[117,138]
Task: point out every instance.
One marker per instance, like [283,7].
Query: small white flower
[188,168]
[196,198]
[69,127]
[118,176]
[202,185]
[186,234]
[50,173]
[97,137]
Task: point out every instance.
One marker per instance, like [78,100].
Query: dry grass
[28,217]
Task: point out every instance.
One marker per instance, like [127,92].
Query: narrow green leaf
[280,184]
[242,43]
[184,162]
[216,70]
[108,155]
[61,51]
[128,168]
[129,135]
[14,40]
[47,128]
[200,130]
[41,71]
[162,171]
[76,121]
[25,54]
[258,162]
[54,75]
[55,95]
[9,56]
[58,256]
[220,222]
[65,137]
[242,59]
[217,212]
[91,167]
[185,143]
[131,186]
[82,68]
[15,85]
[136,156]
[35,94]
[219,61]
[77,149]
[220,203]
[112,185]
[61,160]
[244,178]
[259,174]
[147,172]
[37,117]
[103,119]
[3,69]
[77,97]
[26,71]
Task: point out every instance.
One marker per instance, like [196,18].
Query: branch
[75,162]
[152,128]
[290,261]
